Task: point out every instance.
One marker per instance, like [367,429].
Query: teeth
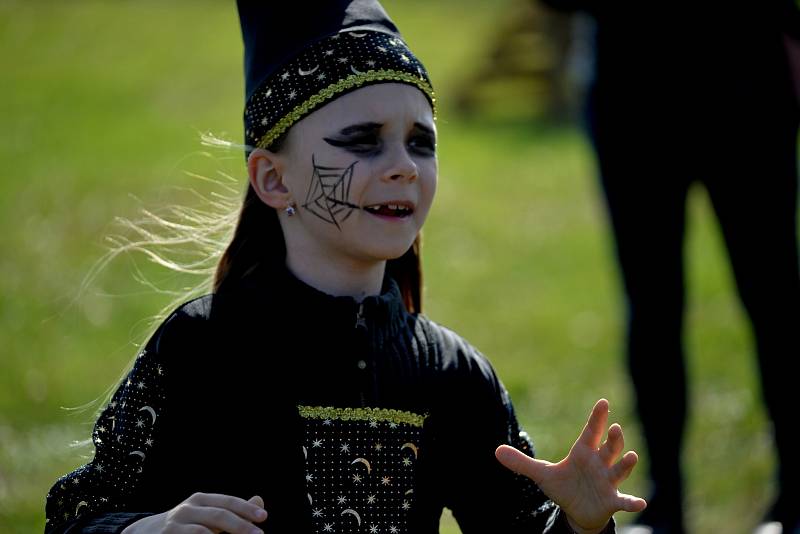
[393,207]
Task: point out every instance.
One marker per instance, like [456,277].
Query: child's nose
[401,166]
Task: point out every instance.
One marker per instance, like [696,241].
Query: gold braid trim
[353,80]
[362,414]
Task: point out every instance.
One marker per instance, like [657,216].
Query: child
[307,393]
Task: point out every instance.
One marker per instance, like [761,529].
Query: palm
[584,483]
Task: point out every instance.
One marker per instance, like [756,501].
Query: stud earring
[290,210]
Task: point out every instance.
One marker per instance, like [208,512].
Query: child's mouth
[390,209]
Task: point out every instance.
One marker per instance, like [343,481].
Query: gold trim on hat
[353,80]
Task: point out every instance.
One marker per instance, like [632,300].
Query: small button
[362,364]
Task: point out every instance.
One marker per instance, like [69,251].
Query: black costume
[361,417]
[689,92]
[344,417]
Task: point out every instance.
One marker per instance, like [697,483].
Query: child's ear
[266,178]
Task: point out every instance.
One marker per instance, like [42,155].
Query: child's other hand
[584,484]
[211,512]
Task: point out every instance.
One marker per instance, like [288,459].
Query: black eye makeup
[422,140]
[360,144]
[359,138]
[365,139]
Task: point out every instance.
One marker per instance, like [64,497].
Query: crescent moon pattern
[365,462]
[151,410]
[302,72]
[358,35]
[78,508]
[355,71]
[355,514]
[412,447]
[361,487]
[122,438]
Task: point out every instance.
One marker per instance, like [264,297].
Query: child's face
[362,171]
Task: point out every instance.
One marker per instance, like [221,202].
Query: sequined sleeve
[96,497]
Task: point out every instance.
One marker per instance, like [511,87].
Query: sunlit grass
[98,113]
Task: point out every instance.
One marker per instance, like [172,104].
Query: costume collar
[277,288]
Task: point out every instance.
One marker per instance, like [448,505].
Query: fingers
[189,529]
[521,463]
[250,510]
[595,426]
[623,468]
[630,503]
[258,501]
[613,445]
[215,519]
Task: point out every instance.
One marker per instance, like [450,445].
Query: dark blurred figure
[700,91]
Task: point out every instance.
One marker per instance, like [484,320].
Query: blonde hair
[220,242]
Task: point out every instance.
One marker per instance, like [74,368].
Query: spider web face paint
[329,192]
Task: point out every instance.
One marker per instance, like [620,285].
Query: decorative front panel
[361,468]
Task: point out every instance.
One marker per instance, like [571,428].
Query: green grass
[101,104]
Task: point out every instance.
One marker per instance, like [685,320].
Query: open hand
[584,484]
[209,513]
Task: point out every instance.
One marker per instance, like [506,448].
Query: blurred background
[102,105]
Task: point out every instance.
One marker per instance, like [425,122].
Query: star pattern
[115,470]
[360,468]
[371,55]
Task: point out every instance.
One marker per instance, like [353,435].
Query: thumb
[521,463]
[258,501]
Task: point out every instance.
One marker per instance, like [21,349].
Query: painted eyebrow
[364,127]
[369,127]
[424,128]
